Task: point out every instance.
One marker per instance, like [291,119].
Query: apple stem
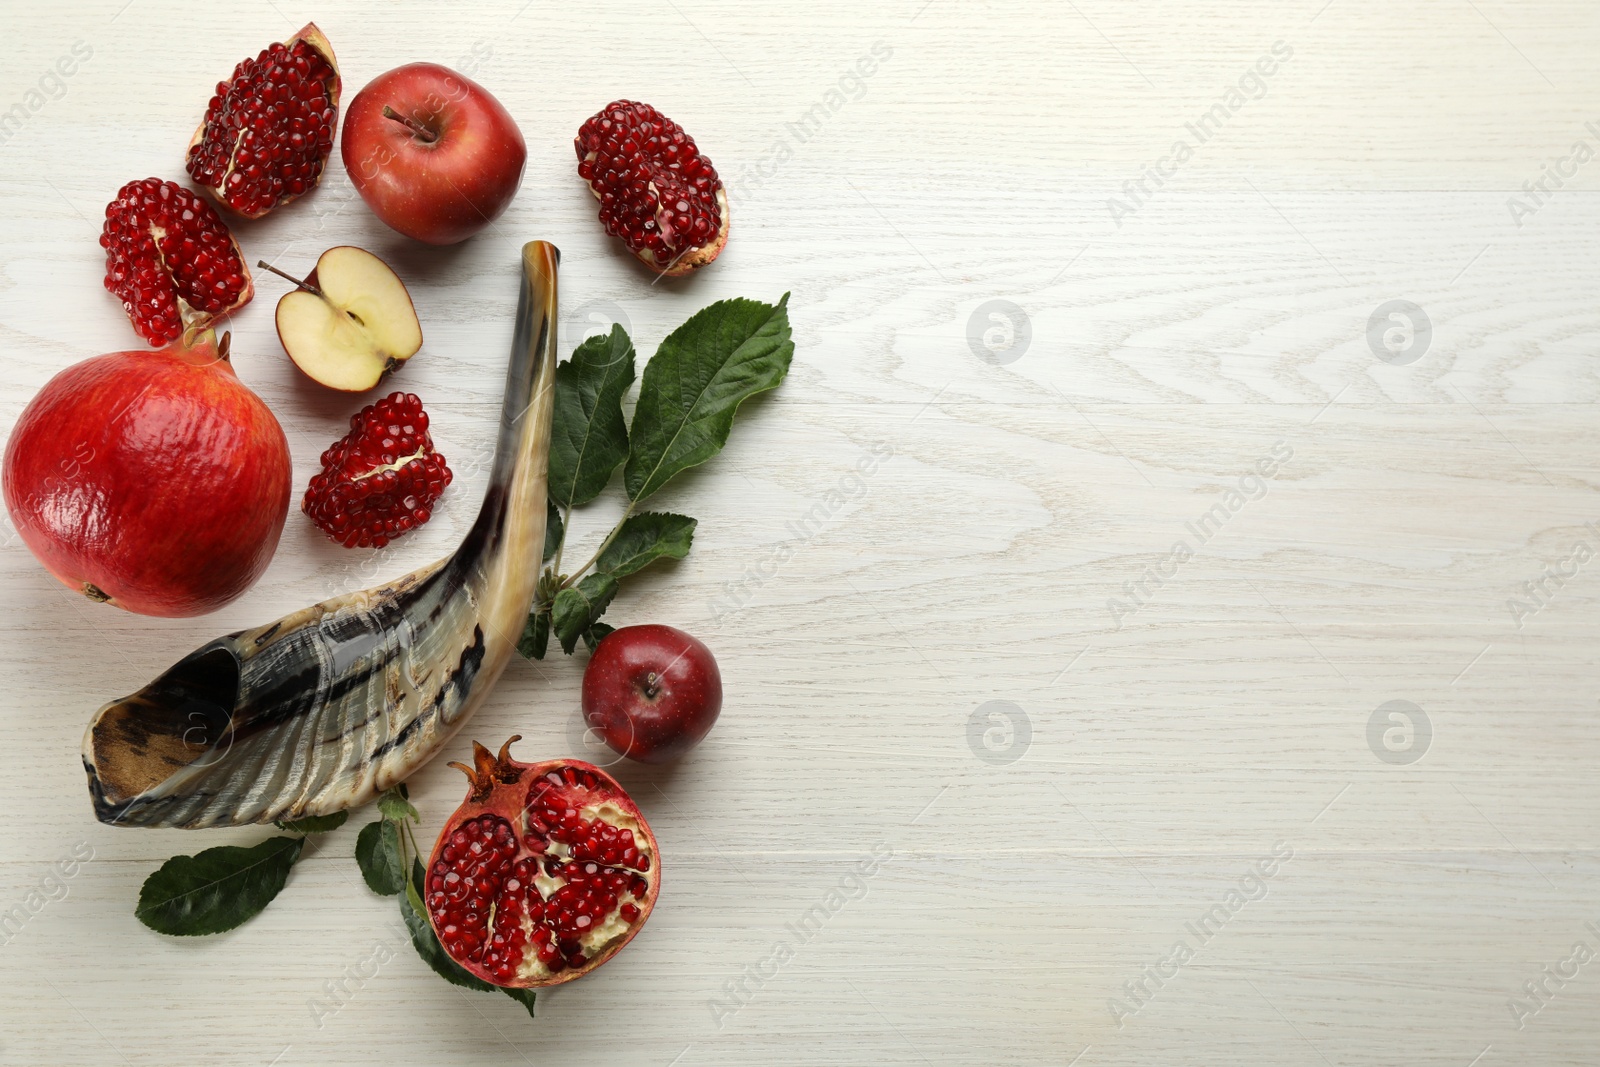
[223,346]
[427,136]
[301,282]
[652,685]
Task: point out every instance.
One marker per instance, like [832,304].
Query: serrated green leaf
[588,437]
[426,942]
[378,854]
[597,633]
[552,530]
[576,609]
[535,636]
[217,889]
[645,538]
[395,806]
[315,824]
[698,377]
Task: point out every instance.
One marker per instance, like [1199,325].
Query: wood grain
[1169,748]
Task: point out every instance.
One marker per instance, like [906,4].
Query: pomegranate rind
[507,800]
[314,38]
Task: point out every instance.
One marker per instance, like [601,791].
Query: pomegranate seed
[253,150]
[171,260]
[656,191]
[374,487]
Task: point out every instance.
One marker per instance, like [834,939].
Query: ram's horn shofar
[325,708]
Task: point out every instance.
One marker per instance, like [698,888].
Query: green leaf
[701,373]
[394,805]
[433,954]
[597,633]
[315,824]
[588,437]
[217,889]
[525,997]
[378,853]
[552,529]
[645,538]
[577,608]
[535,636]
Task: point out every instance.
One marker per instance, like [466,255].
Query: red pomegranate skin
[155,480]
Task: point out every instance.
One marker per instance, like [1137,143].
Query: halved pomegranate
[267,132]
[544,872]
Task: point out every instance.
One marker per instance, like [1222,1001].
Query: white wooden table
[1166,719]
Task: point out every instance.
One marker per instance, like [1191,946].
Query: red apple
[432,153]
[652,692]
[154,480]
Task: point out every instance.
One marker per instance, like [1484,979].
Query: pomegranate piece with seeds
[544,872]
[656,191]
[171,260]
[269,129]
[381,479]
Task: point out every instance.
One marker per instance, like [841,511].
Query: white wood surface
[1167,355]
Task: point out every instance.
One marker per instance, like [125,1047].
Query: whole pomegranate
[544,872]
[152,480]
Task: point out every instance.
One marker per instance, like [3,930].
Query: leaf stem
[572,579]
[566,523]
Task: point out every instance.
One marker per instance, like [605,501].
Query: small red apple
[154,480]
[432,153]
[652,692]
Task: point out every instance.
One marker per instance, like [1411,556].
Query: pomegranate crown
[489,770]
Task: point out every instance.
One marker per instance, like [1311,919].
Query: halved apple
[350,322]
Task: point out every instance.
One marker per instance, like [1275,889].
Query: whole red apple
[652,692]
[432,153]
[154,480]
